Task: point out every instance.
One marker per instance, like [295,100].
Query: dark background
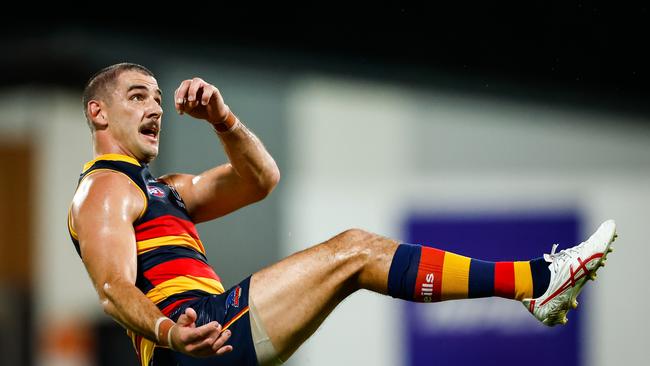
[577,52]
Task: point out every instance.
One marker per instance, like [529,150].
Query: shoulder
[182,183]
[108,192]
[176,179]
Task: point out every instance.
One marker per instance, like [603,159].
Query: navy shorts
[230,309]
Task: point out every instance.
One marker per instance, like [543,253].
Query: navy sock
[403,271]
[541,276]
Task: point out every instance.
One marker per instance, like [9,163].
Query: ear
[97,114]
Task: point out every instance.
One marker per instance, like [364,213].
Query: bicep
[213,193]
[103,217]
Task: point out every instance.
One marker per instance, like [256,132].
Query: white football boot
[570,270]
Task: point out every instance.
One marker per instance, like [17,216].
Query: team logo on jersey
[233,298]
[155,191]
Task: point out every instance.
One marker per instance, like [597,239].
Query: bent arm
[249,177]
[103,211]
[250,159]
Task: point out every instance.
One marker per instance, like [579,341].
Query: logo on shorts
[233,298]
[155,191]
[427,288]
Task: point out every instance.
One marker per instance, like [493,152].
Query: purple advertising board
[491,331]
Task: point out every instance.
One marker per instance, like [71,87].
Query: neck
[104,144]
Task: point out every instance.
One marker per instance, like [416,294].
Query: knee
[356,237]
[361,251]
[357,242]
[350,249]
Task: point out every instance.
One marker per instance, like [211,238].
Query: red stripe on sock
[428,284]
[504,279]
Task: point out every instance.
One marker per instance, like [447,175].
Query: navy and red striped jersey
[172,266]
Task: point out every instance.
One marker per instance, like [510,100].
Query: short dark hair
[100,82]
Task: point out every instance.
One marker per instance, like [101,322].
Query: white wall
[364,155]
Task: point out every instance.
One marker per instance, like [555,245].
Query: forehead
[130,78]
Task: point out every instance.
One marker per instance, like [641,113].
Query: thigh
[294,296]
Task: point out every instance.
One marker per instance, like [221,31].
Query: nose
[154,110]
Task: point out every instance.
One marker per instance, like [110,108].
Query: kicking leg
[295,295]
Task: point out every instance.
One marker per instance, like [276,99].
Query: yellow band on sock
[523,281]
[455,277]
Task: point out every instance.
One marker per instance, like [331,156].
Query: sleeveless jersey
[172,266]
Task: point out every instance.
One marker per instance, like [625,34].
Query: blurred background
[489,131]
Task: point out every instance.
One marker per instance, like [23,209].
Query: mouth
[150,130]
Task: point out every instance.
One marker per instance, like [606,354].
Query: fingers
[207,340]
[213,344]
[196,85]
[223,350]
[180,96]
[211,329]
[191,313]
[208,91]
[187,319]
[192,93]
[218,347]
[201,100]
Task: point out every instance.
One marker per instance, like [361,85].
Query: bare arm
[249,177]
[103,211]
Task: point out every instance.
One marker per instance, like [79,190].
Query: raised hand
[201,100]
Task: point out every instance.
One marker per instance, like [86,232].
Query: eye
[137,97]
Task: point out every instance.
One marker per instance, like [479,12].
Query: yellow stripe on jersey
[113,157]
[183,240]
[70,228]
[182,284]
[147,348]
[523,281]
[455,277]
[143,347]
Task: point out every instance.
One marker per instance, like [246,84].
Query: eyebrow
[140,86]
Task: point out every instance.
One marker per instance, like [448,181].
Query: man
[136,236]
